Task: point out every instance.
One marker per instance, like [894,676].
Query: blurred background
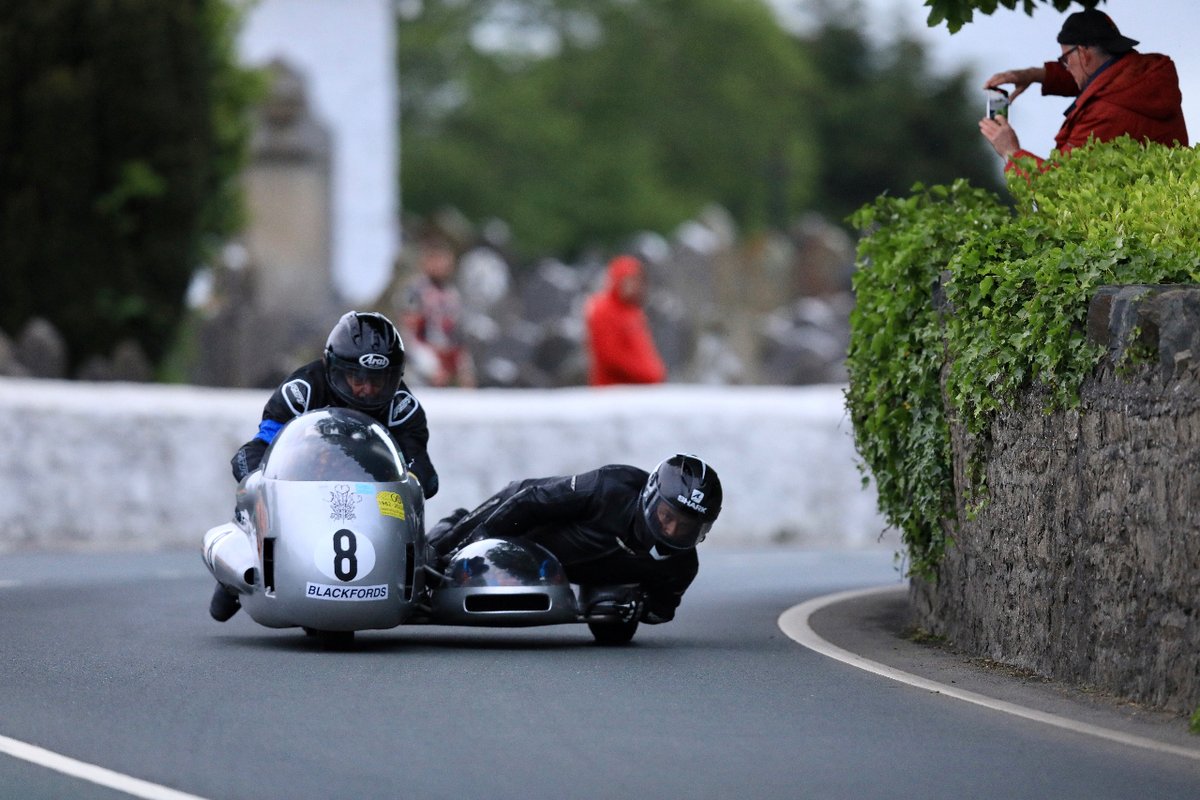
[192,192]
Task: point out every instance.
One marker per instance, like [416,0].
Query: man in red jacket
[1118,90]
[620,345]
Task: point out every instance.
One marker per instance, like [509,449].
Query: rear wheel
[612,633]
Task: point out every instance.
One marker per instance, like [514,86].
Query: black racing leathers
[592,523]
[307,389]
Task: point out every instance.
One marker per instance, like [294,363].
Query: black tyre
[613,633]
[331,639]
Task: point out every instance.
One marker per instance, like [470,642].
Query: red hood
[620,268]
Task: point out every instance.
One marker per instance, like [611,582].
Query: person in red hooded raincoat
[620,344]
[1117,89]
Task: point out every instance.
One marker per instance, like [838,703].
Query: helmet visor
[673,527]
[361,386]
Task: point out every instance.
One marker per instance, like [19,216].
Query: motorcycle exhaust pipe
[230,558]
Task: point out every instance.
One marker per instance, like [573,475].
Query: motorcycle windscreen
[334,444]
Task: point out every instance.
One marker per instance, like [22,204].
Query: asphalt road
[112,661]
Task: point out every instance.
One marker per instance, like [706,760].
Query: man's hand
[1021,79]
[1000,135]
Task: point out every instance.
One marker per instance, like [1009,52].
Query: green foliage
[1194,722]
[630,116]
[580,122]
[956,13]
[122,134]
[897,352]
[884,119]
[1016,286]
[1111,214]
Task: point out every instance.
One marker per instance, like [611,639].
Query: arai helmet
[681,501]
[364,360]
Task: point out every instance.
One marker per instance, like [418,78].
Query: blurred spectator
[431,317]
[620,346]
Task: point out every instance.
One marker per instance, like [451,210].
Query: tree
[884,120]
[582,121]
[630,115]
[121,136]
[956,13]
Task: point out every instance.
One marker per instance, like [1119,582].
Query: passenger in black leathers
[614,525]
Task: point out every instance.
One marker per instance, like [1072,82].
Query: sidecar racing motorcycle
[329,536]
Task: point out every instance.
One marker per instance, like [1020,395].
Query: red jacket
[621,347]
[1138,94]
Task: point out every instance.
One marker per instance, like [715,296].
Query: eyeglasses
[1063,58]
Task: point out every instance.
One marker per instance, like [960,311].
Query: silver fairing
[504,583]
[329,534]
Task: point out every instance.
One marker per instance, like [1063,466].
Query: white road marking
[6,583]
[794,623]
[135,787]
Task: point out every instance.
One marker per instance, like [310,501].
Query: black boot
[224,603]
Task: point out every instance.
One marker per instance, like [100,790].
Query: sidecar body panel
[496,582]
[329,534]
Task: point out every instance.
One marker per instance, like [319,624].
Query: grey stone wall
[1084,564]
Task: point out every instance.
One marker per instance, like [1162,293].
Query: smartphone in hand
[997,103]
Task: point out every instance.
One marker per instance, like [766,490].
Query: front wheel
[613,633]
[331,640]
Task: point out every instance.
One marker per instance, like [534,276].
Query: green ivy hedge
[959,290]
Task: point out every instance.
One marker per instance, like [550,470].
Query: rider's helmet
[364,360]
[681,501]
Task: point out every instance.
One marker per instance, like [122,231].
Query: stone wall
[1084,564]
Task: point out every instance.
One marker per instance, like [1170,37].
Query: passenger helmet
[681,501]
[364,360]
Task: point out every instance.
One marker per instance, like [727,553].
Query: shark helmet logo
[374,361]
[695,502]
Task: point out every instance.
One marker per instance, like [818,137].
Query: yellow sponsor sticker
[390,504]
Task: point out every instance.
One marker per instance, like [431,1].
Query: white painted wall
[118,466]
[346,51]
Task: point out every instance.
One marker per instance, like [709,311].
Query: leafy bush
[1016,284]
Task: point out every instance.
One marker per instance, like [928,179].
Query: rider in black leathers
[613,525]
[362,368]
[314,386]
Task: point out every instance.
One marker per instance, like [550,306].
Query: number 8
[343,553]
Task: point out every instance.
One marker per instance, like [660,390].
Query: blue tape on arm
[268,429]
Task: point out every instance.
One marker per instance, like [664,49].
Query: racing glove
[247,458]
[656,613]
